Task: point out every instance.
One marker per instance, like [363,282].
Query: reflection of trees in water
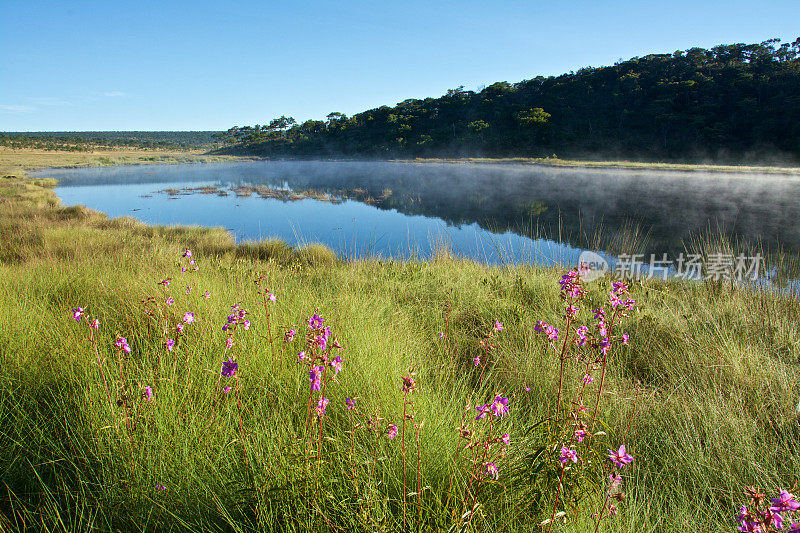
[564,204]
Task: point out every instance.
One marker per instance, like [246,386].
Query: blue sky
[199,65]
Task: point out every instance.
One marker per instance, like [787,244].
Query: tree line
[733,102]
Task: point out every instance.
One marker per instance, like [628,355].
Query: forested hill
[733,102]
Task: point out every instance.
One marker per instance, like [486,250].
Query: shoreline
[16,162]
[615,165]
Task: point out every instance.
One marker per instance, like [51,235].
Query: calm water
[488,212]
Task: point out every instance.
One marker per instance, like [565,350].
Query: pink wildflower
[785,502]
[619,457]
[322,404]
[568,455]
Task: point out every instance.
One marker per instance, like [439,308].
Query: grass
[14,162]
[713,370]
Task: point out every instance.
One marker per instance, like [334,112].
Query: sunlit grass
[14,162]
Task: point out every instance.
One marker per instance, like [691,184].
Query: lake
[490,212]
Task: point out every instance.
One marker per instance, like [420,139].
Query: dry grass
[14,162]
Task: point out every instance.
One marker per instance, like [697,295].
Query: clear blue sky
[168,65]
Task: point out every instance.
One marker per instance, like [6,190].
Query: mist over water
[490,212]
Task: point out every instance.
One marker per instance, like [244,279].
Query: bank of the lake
[712,369]
[15,162]
[626,165]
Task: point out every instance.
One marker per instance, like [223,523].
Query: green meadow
[704,394]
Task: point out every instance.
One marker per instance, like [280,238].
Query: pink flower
[77,313]
[619,287]
[568,455]
[544,327]
[147,395]
[271,297]
[497,325]
[322,404]
[226,390]
[605,345]
[188,318]
[170,344]
[579,435]
[392,433]
[122,343]
[336,364]
[785,502]
[483,410]
[315,321]
[625,338]
[491,470]
[179,327]
[207,295]
[170,301]
[94,324]
[500,406]
[229,368]
[301,357]
[229,343]
[505,439]
[315,376]
[581,335]
[351,404]
[620,458]
[477,360]
[587,379]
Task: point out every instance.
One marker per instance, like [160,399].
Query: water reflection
[482,210]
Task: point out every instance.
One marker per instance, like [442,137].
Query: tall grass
[713,369]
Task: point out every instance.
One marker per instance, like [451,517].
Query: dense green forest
[81,141]
[734,103]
